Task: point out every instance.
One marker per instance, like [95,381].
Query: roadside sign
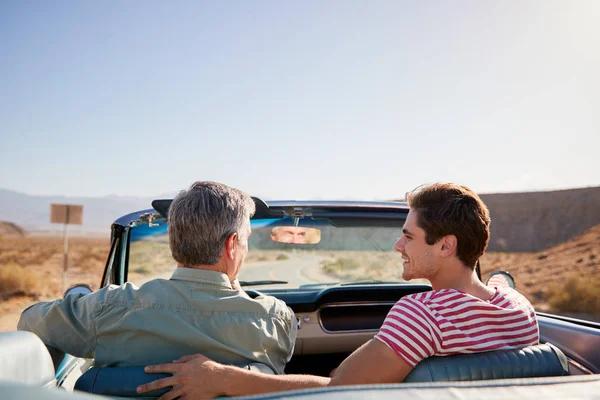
[67,214]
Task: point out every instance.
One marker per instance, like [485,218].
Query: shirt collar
[201,276]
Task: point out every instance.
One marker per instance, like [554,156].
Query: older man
[200,309]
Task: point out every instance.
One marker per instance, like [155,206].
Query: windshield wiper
[265,282]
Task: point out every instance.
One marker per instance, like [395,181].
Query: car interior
[324,339]
[333,321]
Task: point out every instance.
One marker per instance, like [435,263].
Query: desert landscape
[549,241]
[31,270]
[562,278]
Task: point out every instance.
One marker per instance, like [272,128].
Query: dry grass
[560,279]
[31,270]
[340,267]
[41,258]
[549,278]
[17,280]
[364,265]
[578,294]
[265,256]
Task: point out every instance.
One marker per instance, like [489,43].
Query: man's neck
[461,278]
[216,267]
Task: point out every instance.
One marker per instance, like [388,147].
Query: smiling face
[419,257]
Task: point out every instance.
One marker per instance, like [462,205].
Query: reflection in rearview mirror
[295,234]
[81,288]
[500,279]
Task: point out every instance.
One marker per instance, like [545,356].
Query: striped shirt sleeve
[408,330]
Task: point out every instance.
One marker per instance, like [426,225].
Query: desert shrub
[577,294]
[339,266]
[91,257]
[18,280]
[256,257]
[142,270]
[265,255]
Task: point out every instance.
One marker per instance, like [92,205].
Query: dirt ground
[36,262]
[538,273]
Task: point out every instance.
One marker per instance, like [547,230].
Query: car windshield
[289,253]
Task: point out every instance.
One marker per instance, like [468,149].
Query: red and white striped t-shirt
[450,321]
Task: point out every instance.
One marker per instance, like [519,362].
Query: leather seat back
[534,361]
[123,381]
[25,359]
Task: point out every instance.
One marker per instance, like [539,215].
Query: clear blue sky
[326,99]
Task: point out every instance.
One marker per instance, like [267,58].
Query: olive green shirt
[196,311]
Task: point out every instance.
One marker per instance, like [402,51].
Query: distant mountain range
[33,212]
[536,221]
[520,221]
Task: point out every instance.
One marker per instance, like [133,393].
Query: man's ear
[449,245]
[231,245]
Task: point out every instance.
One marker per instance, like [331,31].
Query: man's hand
[198,377]
[194,376]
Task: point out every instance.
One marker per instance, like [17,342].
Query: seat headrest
[118,381]
[25,359]
[533,361]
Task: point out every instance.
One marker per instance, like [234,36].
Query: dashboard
[339,319]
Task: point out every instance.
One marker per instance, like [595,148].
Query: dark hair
[450,209]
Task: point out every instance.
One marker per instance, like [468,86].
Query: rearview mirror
[81,288]
[500,279]
[295,235]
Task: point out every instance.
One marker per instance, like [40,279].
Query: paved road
[299,269]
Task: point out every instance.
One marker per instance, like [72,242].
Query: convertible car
[333,263]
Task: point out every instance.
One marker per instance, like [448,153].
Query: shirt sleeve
[408,330]
[292,333]
[67,324]
[287,328]
[284,328]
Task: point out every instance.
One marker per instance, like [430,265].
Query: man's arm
[67,324]
[198,377]
[373,362]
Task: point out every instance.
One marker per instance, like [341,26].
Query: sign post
[66,214]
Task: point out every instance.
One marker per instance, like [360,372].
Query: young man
[445,233]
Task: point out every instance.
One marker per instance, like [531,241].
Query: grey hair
[201,219]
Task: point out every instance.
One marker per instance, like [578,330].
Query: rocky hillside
[541,275]
[539,220]
[11,229]
[523,222]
